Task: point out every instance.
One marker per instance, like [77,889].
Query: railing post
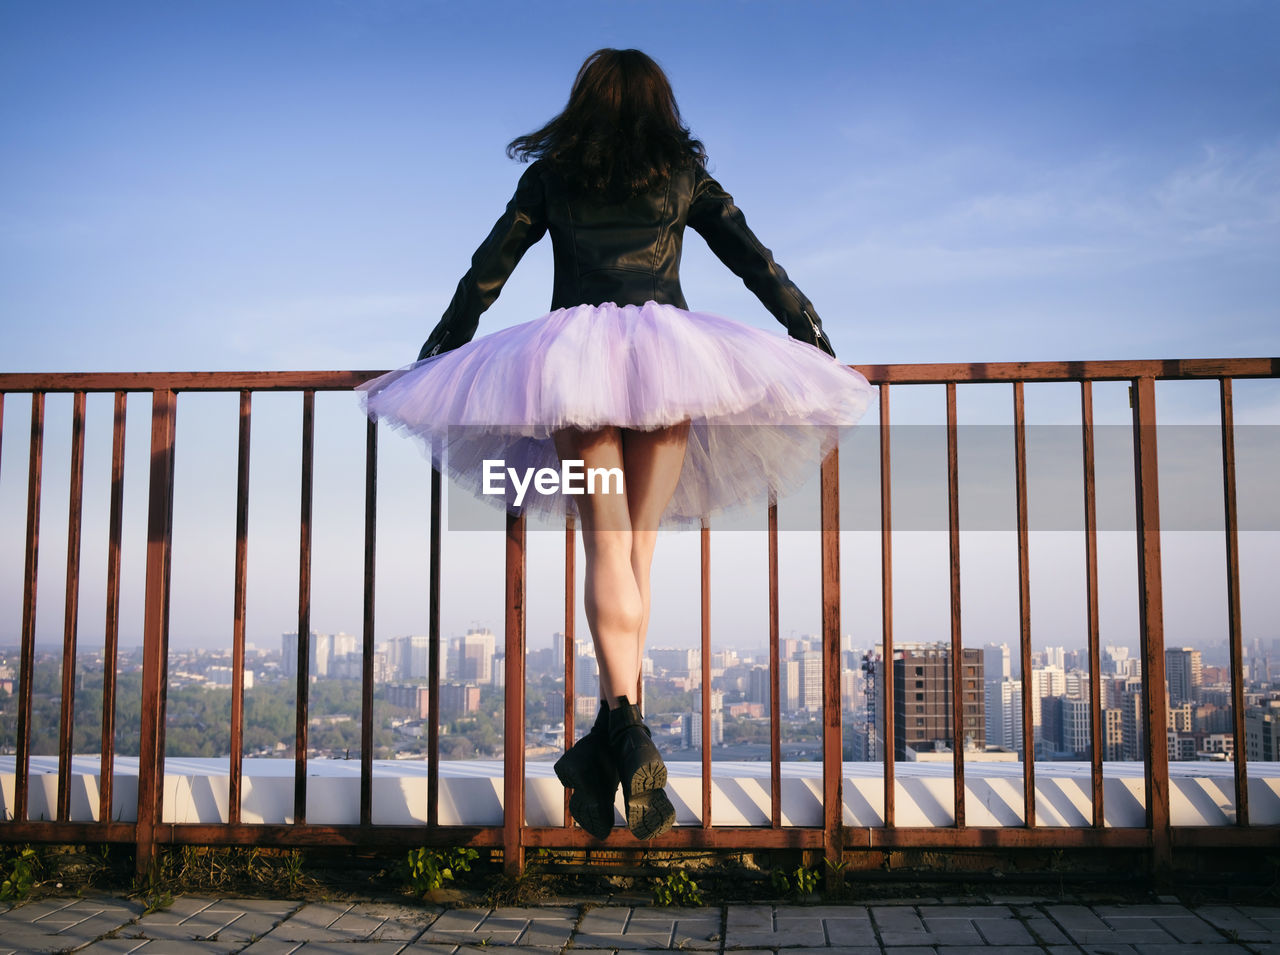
[31,568]
[155,629]
[1151,625]
[832,749]
[513,724]
[885,687]
[366,657]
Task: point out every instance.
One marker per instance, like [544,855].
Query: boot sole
[592,814]
[647,777]
[650,814]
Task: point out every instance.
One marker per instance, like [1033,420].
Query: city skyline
[235,186]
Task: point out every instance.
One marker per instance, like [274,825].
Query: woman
[696,413]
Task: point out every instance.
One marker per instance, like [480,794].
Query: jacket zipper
[817,335]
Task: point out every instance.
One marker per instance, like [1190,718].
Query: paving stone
[538,912]
[33,911]
[965,912]
[1045,931]
[986,950]
[605,921]
[1189,948]
[1230,919]
[851,930]
[94,926]
[546,934]
[852,950]
[354,924]
[1072,917]
[351,948]
[202,925]
[250,925]
[618,941]
[1165,910]
[23,939]
[998,931]
[265,906]
[115,946]
[949,931]
[753,917]
[1186,928]
[421,948]
[311,924]
[183,907]
[268,946]
[180,947]
[699,933]
[1109,949]
[897,917]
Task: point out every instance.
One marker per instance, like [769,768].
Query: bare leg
[653,461]
[611,598]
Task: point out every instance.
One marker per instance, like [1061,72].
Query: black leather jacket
[627,253]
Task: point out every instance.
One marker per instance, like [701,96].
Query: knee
[608,547]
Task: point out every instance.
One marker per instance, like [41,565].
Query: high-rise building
[758,686]
[1112,734]
[693,722]
[1004,714]
[810,680]
[1046,683]
[1262,732]
[674,661]
[471,657]
[1131,721]
[996,664]
[923,698]
[1077,730]
[1184,673]
[789,685]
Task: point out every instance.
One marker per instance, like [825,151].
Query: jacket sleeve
[713,215]
[523,224]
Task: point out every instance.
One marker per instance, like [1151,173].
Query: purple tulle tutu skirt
[764,408]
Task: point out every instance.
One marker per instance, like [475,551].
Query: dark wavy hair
[621,132]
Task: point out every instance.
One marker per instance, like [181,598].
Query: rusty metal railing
[832,838]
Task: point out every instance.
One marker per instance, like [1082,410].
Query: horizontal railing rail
[514,835]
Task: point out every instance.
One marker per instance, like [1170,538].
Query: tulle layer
[764,409]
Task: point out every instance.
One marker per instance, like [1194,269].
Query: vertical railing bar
[111,629]
[235,791]
[433,657]
[1024,605]
[155,628]
[513,722]
[1240,755]
[832,736]
[705,590]
[1151,625]
[886,609]
[570,648]
[957,649]
[1096,723]
[366,670]
[775,687]
[26,663]
[302,681]
[71,614]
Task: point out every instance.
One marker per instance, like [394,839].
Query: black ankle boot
[588,769]
[641,771]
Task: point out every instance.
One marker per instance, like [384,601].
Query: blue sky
[288,185]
